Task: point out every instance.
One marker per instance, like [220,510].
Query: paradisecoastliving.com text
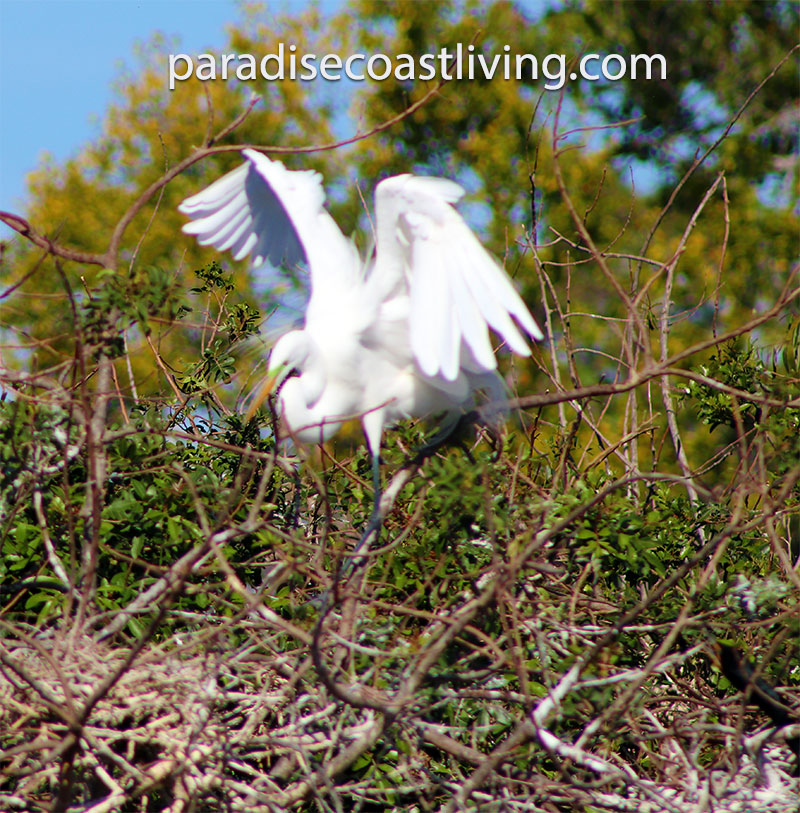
[460,62]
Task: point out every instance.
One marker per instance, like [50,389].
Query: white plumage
[404,334]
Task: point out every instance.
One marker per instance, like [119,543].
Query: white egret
[404,333]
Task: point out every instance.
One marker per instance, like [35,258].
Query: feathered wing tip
[263,210]
[243,213]
[425,185]
[207,201]
[458,292]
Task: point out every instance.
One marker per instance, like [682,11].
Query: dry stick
[611,255]
[741,474]
[770,512]
[118,391]
[440,740]
[254,600]
[91,511]
[726,217]
[52,557]
[614,448]
[170,434]
[179,397]
[210,107]
[732,391]
[338,763]
[157,206]
[22,227]
[545,284]
[698,161]
[596,127]
[263,483]
[144,602]
[560,480]
[108,259]
[608,771]
[631,411]
[25,277]
[663,334]
[70,517]
[653,371]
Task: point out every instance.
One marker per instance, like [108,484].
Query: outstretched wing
[457,290]
[267,211]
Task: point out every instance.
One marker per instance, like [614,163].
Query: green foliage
[739,369]
[180,472]
[615,531]
[713,55]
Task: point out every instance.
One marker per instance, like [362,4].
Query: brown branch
[22,227]
[108,259]
[699,161]
[667,368]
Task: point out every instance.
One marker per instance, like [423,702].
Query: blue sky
[58,59]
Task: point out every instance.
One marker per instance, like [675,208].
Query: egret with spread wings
[402,333]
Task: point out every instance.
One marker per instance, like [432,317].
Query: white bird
[404,333]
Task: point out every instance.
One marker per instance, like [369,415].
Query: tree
[587,609]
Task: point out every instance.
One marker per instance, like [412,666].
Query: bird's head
[289,355]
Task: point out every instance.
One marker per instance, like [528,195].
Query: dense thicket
[594,608]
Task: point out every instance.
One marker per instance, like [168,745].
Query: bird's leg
[451,426]
[358,557]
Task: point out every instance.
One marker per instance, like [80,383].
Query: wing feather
[212,197]
[267,211]
[456,290]
[422,321]
[477,340]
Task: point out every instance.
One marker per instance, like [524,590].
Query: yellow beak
[262,393]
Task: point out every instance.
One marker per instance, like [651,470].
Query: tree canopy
[594,607]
